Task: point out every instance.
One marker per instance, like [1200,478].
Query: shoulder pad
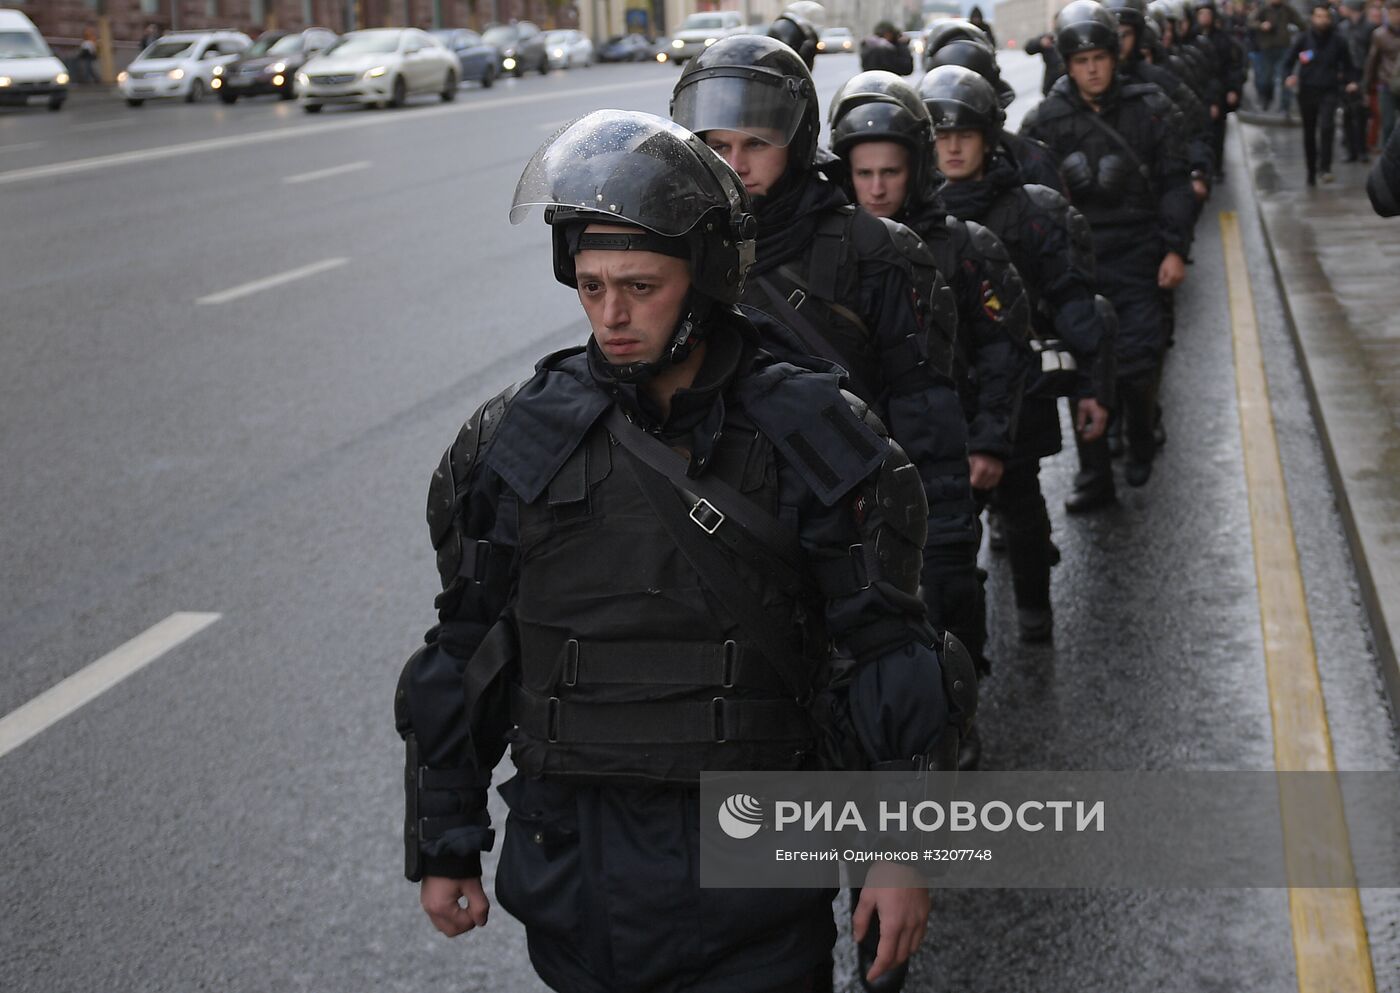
[546,420]
[1044,197]
[811,422]
[908,243]
[987,244]
[449,482]
[1150,94]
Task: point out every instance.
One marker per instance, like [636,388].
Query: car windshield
[503,35]
[168,49]
[22,45]
[836,33]
[286,45]
[366,43]
[263,45]
[701,22]
[558,38]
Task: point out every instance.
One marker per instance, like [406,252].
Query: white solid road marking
[20,145]
[258,285]
[307,177]
[287,134]
[85,685]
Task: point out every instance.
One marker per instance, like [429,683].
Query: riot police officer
[1122,153]
[797,33]
[1227,65]
[1049,242]
[644,550]
[834,276]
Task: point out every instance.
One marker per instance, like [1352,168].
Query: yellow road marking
[1329,932]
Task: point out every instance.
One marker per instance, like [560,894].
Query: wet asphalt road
[229,817]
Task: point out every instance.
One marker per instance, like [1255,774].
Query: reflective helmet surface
[1084,26]
[627,167]
[753,84]
[959,99]
[879,106]
[980,59]
[797,34]
[953,29]
[810,11]
[1130,12]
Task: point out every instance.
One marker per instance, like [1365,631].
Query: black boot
[1037,624]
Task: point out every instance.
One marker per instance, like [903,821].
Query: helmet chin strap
[688,333]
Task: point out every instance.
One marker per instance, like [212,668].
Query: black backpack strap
[813,341]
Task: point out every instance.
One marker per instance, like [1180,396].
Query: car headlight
[710,41]
[278,80]
[61,79]
[508,64]
[279,67]
[176,74]
[677,44]
[662,57]
[376,72]
[122,77]
[558,53]
[216,83]
[4,80]
[218,70]
[821,46]
[303,79]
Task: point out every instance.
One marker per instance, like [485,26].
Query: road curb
[1369,556]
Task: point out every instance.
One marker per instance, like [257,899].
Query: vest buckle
[717,713]
[707,516]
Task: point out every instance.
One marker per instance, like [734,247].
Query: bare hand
[1232,98]
[1266,26]
[985,470]
[1352,87]
[1215,112]
[440,898]
[1291,82]
[897,895]
[1199,187]
[1091,419]
[1172,272]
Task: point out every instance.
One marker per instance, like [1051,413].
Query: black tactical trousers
[1026,525]
[1319,108]
[1137,413]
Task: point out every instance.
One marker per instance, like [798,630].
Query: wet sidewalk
[1339,266]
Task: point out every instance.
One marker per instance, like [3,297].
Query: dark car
[521,45]
[480,62]
[628,48]
[271,65]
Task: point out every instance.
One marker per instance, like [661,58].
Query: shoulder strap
[785,309]
[1120,141]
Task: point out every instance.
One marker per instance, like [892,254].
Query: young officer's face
[633,299]
[1092,72]
[880,174]
[759,163]
[1127,39]
[960,154]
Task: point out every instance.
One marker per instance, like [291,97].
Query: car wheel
[449,87]
[196,92]
[286,93]
[519,70]
[487,79]
[56,103]
[228,97]
[400,93]
[134,103]
[311,108]
[544,66]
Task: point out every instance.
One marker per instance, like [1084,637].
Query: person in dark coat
[1320,68]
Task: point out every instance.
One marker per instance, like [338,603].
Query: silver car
[380,67]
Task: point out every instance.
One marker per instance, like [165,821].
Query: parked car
[29,73]
[566,49]
[180,65]
[380,67]
[834,40]
[476,60]
[521,46]
[271,64]
[699,31]
[628,48]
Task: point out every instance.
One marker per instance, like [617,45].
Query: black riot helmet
[796,33]
[958,99]
[753,84]
[1083,26]
[978,57]
[1133,13]
[949,29]
[645,172]
[879,106]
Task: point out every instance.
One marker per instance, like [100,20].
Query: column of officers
[737,528]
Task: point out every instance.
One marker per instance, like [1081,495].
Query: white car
[180,65]
[29,73]
[699,31]
[566,49]
[836,40]
[382,67]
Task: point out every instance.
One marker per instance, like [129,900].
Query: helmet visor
[635,167]
[757,102]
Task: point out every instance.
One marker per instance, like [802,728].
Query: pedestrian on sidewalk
[1320,69]
[1356,29]
[85,70]
[1383,67]
[1274,22]
[150,36]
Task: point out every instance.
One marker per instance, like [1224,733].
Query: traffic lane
[99,130]
[154,392]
